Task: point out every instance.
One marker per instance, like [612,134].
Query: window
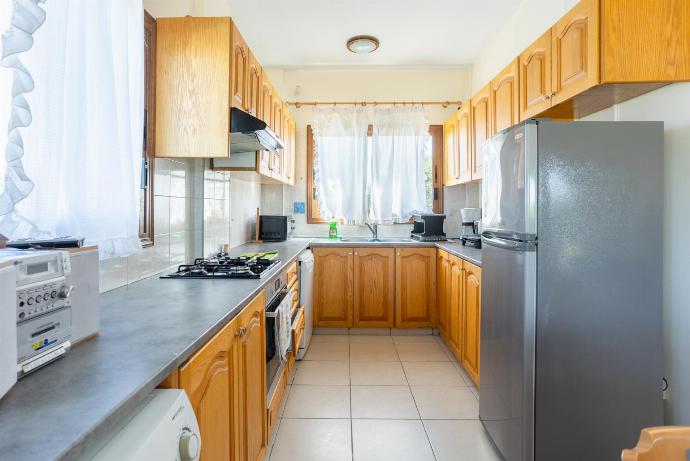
[147,158]
[433,172]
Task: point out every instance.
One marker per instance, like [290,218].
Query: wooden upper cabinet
[535,77]
[645,40]
[575,51]
[240,68]
[505,99]
[481,128]
[333,287]
[251,348]
[254,78]
[442,293]
[415,288]
[266,113]
[192,88]
[464,151]
[471,320]
[450,151]
[209,378]
[277,115]
[374,287]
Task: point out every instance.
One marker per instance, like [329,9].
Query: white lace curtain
[376,179]
[81,124]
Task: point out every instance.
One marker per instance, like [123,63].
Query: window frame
[436,132]
[146,235]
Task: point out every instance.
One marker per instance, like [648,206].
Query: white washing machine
[165,428]
[306,297]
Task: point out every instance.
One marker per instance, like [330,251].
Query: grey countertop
[452,246]
[69,409]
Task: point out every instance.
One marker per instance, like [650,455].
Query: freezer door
[509,187]
[506,394]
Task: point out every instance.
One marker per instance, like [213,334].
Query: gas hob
[222,266]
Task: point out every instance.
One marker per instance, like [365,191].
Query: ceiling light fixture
[363,44]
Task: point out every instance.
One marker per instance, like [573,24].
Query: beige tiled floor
[378,398]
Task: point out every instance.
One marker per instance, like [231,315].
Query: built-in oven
[276,291]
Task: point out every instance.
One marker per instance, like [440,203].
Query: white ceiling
[300,33]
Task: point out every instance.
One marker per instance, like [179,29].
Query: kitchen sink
[379,240]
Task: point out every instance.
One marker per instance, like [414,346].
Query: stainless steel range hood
[250,134]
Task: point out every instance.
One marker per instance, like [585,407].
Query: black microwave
[273,228]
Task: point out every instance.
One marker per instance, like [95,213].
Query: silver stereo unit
[43,306]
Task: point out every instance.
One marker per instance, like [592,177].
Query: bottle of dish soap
[333,230]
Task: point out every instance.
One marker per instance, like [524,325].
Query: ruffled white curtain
[378,179]
[83,143]
[341,163]
[401,143]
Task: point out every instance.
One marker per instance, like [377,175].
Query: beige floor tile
[390,440]
[373,353]
[463,374]
[313,440]
[316,339]
[322,372]
[460,441]
[432,374]
[370,331]
[445,402]
[332,351]
[383,402]
[371,339]
[421,352]
[308,401]
[377,373]
[397,339]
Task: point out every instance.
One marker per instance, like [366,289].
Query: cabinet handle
[547,97]
[355,253]
[241,332]
[553,94]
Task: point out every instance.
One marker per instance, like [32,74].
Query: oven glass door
[273,362]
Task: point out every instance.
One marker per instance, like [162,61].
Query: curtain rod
[445,104]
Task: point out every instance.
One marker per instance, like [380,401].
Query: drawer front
[274,406]
[295,300]
[292,273]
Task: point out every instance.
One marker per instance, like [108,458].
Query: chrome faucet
[374,228]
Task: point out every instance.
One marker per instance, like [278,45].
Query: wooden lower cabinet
[471,320]
[225,382]
[459,294]
[455,305]
[415,288]
[442,280]
[333,287]
[251,350]
[374,287]
[209,377]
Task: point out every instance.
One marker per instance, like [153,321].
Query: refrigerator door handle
[514,245]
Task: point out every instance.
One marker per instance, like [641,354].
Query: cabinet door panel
[505,99]
[192,89]
[266,113]
[240,67]
[208,377]
[575,51]
[254,79]
[481,128]
[455,307]
[535,77]
[450,151]
[472,320]
[252,380]
[374,282]
[333,296]
[415,286]
[463,157]
[442,274]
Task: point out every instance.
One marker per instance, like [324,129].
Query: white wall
[375,84]
[530,21]
[669,104]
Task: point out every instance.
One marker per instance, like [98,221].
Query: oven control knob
[189,445]
[65,291]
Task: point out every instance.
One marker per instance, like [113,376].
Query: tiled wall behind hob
[194,216]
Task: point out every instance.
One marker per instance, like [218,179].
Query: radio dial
[189,445]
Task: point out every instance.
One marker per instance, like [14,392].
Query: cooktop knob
[189,445]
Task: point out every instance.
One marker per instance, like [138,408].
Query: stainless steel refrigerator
[571,365]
